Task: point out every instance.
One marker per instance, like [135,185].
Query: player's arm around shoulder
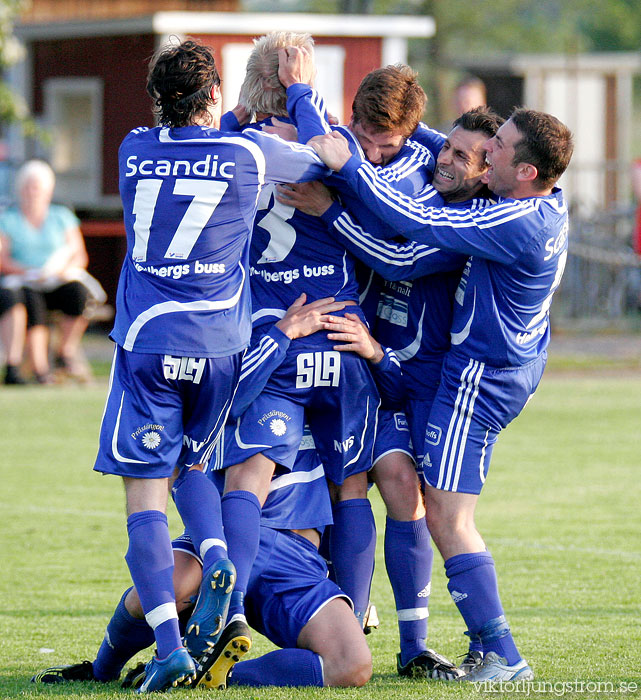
[287,161]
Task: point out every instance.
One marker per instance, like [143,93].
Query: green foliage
[13,109]
[466,29]
[470,26]
[559,513]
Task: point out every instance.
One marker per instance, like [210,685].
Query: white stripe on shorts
[482,462]
[454,448]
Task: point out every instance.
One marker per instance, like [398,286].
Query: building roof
[241,23]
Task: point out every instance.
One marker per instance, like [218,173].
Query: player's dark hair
[180,80]
[481,119]
[546,143]
[389,99]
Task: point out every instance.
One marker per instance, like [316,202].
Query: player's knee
[399,487]
[349,670]
[354,486]
[449,526]
[133,604]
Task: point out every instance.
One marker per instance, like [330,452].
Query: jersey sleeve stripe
[390,254]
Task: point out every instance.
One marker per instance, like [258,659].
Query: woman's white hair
[37,170]
[262,91]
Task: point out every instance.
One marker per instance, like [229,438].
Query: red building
[85,73]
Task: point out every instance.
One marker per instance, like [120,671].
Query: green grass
[560,513]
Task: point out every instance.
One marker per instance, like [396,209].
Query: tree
[466,29]
[13,108]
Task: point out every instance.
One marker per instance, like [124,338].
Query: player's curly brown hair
[180,80]
[390,99]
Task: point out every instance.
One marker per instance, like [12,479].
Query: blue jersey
[518,249]
[415,306]
[190,197]
[266,353]
[292,253]
[430,138]
[410,172]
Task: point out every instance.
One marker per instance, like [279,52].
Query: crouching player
[289,597]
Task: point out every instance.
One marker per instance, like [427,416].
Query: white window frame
[80,187]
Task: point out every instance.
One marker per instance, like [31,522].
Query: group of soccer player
[281,347]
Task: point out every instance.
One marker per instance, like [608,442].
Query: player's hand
[332,149]
[241,113]
[309,197]
[295,65]
[350,330]
[287,131]
[304,319]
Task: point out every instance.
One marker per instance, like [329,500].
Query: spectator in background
[469,93]
[43,257]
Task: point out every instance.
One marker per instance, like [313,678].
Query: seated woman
[43,254]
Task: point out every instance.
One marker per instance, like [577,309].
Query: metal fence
[602,280]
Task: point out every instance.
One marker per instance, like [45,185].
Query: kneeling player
[289,599]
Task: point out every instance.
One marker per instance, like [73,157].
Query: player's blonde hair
[262,91]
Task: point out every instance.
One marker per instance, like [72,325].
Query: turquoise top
[32,247]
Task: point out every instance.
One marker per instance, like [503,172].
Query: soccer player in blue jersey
[407,544]
[414,318]
[189,196]
[386,109]
[292,252]
[499,338]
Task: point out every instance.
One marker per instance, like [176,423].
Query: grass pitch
[560,513]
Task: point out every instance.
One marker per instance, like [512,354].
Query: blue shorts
[288,585]
[392,435]
[418,412]
[333,391]
[163,412]
[474,402]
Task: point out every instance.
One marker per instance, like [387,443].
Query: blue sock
[352,546]
[323,550]
[125,637]
[473,587]
[475,644]
[151,564]
[284,667]
[198,502]
[241,518]
[408,559]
